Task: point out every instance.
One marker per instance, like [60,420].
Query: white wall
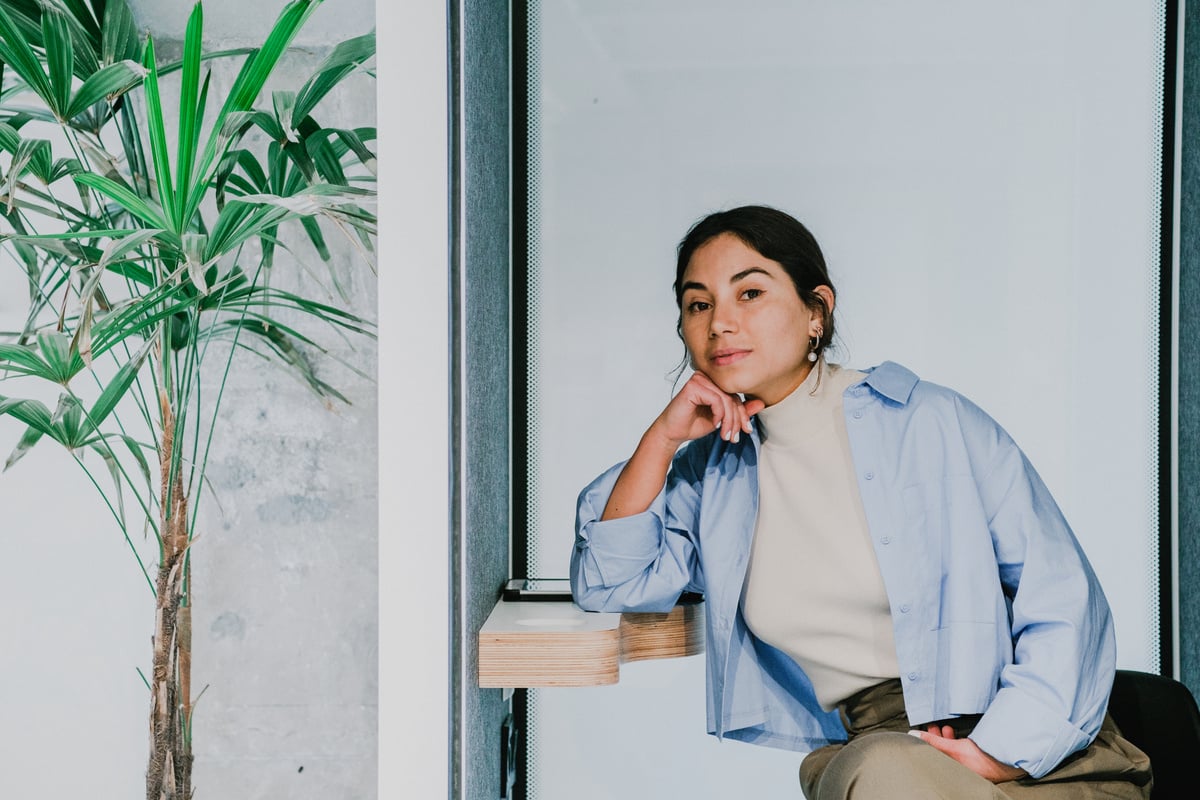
[980,178]
[414,554]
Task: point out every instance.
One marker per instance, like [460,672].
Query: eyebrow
[700,287]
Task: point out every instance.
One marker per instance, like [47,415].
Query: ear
[826,295]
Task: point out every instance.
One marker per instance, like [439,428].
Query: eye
[750,294]
[697,306]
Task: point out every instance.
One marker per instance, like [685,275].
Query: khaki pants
[882,761]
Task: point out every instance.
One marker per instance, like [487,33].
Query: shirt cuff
[615,550]
[1018,729]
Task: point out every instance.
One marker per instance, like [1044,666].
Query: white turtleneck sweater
[813,587]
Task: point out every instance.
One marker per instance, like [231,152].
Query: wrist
[657,441]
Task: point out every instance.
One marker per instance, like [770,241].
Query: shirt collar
[893,381]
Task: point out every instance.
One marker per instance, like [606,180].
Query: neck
[773,396]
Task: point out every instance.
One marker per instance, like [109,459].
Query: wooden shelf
[527,644]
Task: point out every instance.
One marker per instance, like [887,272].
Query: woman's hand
[967,753]
[696,410]
[700,407]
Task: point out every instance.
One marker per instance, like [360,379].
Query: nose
[723,320]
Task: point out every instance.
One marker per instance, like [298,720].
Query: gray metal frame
[480,179]
[1188,441]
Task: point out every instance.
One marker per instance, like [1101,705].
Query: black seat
[1159,715]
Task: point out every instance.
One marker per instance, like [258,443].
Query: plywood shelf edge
[533,644]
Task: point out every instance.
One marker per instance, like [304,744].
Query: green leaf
[23,360]
[194,245]
[158,140]
[16,53]
[10,139]
[61,169]
[133,272]
[353,140]
[62,362]
[33,155]
[244,92]
[82,16]
[81,342]
[343,60]
[114,470]
[31,412]
[139,455]
[102,161]
[240,221]
[119,38]
[326,160]
[85,36]
[31,437]
[107,82]
[285,349]
[298,155]
[190,111]
[260,65]
[117,387]
[25,253]
[254,180]
[283,103]
[118,247]
[60,59]
[313,229]
[124,197]
[67,421]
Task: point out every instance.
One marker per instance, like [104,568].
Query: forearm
[642,478]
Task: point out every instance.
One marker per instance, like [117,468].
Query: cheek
[694,335]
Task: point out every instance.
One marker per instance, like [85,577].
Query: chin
[731,386]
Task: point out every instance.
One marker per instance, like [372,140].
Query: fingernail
[718,425]
[915,733]
[736,436]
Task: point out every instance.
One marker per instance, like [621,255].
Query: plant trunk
[169,774]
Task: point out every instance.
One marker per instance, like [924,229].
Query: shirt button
[858,415]
[885,540]
[912,676]
[870,476]
[905,608]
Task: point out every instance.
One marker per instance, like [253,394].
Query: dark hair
[774,235]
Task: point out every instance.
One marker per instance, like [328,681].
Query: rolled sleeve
[642,562]
[616,550]
[1052,697]
[1019,730]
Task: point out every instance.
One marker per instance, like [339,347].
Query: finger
[706,398]
[735,418]
[938,742]
[739,419]
[754,406]
[934,729]
[744,415]
[948,732]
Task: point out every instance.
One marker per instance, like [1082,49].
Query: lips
[727,356]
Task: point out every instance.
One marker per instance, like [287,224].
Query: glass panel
[984,181]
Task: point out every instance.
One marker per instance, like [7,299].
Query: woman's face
[744,325]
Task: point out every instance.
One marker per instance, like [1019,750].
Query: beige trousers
[882,762]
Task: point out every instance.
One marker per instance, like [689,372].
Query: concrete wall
[285,580]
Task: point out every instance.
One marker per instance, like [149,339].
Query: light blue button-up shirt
[995,608]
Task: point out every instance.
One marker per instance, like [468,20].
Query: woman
[878,557]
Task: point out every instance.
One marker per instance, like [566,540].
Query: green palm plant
[148,244]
